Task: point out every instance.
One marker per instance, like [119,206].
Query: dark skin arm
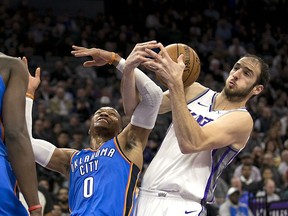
[20,153]
[60,160]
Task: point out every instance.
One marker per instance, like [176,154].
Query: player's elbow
[129,111]
[186,147]
[189,146]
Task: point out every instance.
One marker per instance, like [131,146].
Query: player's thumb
[180,59]
[38,72]
[89,63]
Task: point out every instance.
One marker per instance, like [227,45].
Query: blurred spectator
[61,72]
[248,184]
[59,104]
[269,190]
[269,163]
[62,201]
[283,166]
[284,189]
[232,206]
[45,92]
[263,122]
[284,127]
[244,195]
[57,211]
[246,159]
[257,156]
[236,49]
[63,139]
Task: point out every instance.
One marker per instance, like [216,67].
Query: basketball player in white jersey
[208,130]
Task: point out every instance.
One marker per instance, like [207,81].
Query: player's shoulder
[8,62]
[7,57]
[238,118]
[194,90]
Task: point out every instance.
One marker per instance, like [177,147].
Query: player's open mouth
[102,120]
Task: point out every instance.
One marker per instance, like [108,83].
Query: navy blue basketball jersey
[102,182]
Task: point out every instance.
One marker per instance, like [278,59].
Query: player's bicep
[231,129]
[191,92]
[132,141]
[60,161]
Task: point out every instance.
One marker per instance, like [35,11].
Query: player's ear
[258,89]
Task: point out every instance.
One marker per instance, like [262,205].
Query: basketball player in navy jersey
[16,156]
[103,178]
[208,130]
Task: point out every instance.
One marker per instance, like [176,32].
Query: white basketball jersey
[194,175]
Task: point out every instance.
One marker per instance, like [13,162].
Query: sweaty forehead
[108,110]
[251,63]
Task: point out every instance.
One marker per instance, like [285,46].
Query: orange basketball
[191,60]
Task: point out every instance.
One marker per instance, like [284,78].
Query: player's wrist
[35,208]
[30,94]
[116,59]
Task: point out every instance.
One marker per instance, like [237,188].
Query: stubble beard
[236,96]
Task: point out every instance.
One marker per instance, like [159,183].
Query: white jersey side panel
[194,175]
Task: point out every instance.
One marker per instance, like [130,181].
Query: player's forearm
[42,149]
[129,95]
[187,130]
[22,161]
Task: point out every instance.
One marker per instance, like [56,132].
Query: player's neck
[223,103]
[95,143]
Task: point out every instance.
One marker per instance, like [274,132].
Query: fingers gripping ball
[191,60]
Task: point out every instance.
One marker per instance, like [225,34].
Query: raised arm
[144,113]
[20,153]
[46,154]
[102,57]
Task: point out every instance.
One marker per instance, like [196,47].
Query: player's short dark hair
[264,76]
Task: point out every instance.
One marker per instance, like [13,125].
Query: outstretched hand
[100,57]
[138,55]
[34,82]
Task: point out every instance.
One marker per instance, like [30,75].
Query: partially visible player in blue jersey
[16,156]
[103,178]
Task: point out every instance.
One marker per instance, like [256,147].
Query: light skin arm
[231,129]
[60,160]
[128,85]
[133,135]
[102,57]
[20,153]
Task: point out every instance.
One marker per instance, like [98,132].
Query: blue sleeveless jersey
[102,182]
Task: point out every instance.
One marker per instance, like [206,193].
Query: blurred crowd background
[220,32]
